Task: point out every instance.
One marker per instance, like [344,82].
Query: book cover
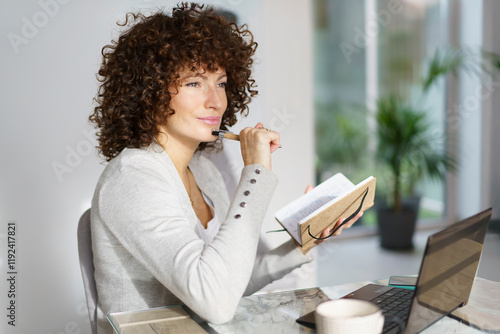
[307,216]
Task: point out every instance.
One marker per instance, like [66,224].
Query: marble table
[276,313]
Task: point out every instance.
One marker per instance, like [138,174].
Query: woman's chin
[209,140]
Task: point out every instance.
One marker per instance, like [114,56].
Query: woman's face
[199,103]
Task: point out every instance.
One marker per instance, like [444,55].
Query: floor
[359,259]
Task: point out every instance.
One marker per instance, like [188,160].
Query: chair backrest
[87,266]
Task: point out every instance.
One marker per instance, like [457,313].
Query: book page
[345,191]
[290,215]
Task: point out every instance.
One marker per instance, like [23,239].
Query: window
[364,51]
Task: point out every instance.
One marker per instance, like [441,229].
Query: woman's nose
[215,98]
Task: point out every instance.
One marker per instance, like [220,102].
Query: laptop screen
[448,269]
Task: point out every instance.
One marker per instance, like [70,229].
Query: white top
[148,251]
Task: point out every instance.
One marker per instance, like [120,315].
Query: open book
[307,217]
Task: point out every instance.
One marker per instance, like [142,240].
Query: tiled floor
[360,259]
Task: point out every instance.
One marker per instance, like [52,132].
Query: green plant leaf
[406,146]
[443,63]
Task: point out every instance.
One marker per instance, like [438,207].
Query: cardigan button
[243,204]
[258,171]
[253,181]
[246,193]
[238,216]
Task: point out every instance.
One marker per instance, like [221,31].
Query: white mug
[348,316]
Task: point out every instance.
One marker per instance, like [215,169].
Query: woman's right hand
[257,144]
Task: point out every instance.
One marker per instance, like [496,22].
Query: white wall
[288,90]
[478,117]
[491,112]
[49,54]
[469,111]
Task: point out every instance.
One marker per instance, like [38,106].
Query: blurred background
[325,70]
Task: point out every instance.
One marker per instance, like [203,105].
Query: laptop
[444,283]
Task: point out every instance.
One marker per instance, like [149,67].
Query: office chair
[87,267]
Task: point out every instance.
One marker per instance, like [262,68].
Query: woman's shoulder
[138,165]
[150,155]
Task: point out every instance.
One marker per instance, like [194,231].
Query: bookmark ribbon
[344,222]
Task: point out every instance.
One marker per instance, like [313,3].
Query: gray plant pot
[396,229]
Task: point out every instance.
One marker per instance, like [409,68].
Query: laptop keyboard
[395,302]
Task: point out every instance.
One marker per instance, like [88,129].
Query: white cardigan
[147,248]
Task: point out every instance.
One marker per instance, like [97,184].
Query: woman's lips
[211,120]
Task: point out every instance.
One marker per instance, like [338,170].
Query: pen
[226,134]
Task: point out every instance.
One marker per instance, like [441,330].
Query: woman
[164,231]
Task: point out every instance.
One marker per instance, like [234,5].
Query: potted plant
[407,149]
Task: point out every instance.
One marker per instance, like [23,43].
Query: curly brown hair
[136,72]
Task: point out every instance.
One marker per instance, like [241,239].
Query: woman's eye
[223,84]
[193,84]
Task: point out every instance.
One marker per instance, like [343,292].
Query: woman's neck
[179,153]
